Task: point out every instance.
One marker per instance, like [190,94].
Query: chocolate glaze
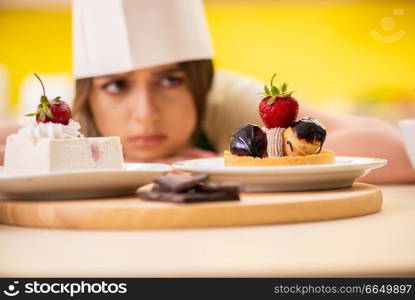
[249,140]
[309,130]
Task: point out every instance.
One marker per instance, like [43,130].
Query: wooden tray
[253,209]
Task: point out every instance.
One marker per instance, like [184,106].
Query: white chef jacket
[232,102]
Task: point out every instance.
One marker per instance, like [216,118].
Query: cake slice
[24,155]
[54,143]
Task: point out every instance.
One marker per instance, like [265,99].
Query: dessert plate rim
[341,174]
[342,163]
[127,167]
[82,184]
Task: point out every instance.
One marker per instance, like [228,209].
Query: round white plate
[341,174]
[80,184]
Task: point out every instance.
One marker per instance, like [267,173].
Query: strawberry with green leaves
[54,111]
[278,108]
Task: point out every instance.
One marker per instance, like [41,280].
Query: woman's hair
[199,80]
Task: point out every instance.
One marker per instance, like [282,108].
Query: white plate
[80,184]
[341,174]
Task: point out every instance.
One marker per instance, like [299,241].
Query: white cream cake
[49,147]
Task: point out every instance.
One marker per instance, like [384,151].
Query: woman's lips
[148,141]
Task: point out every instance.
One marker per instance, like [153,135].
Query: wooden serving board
[253,209]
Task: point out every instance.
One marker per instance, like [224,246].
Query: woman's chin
[144,159]
[146,156]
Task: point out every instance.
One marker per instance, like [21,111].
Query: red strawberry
[278,108]
[55,111]
[60,112]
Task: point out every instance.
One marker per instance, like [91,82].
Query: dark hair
[199,80]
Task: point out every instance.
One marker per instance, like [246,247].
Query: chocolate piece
[249,140]
[229,189]
[177,183]
[229,193]
[182,188]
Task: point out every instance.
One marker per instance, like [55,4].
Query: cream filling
[275,140]
[51,130]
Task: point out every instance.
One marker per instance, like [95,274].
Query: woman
[157,111]
[152,91]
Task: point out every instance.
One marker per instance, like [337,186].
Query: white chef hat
[112,36]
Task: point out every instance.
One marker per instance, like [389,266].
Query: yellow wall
[32,41]
[322,49]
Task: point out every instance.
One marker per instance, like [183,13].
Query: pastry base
[324,157]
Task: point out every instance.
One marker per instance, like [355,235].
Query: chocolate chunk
[226,189]
[182,188]
[177,183]
[209,195]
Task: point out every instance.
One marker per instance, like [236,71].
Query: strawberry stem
[43,87]
[272,79]
[274,92]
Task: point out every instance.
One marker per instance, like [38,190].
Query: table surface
[381,244]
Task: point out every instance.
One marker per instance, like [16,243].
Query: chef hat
[112,36]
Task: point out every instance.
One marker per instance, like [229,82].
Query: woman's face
[152,110]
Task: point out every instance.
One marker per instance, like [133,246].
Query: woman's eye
[115,87]
[171,81]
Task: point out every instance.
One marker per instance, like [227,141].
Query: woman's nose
[143,106]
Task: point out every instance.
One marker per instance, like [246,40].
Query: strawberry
[278,108]
[55,110]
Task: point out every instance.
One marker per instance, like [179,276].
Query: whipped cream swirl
[51,130]
[275,139]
